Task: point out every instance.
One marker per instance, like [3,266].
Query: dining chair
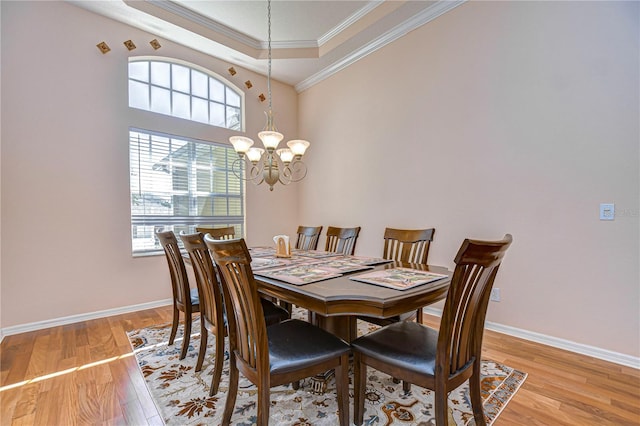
[405,245]
[438,360]
[226,233]
[342,240]
[308,237]
[212,317]
[279,354]
[185,298]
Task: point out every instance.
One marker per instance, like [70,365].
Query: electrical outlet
[495,295]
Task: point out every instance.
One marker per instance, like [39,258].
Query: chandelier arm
[295,171]
[253,172]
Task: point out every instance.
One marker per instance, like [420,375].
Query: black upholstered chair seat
[273,313]
[405,344]
[295,344]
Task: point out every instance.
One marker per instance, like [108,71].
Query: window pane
[220,206]
[203,180]
[199,84]
[217,114]
[235,207]
[180,78]
[181,205]
[160,74]
[216,90]
[199,110]
[181,105]
[138,95]
[160,100]
[233,98]
[233,118]
[139,70]
[205,206]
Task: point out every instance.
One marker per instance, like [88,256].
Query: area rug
[182,395]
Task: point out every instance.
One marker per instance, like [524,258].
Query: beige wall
[498,117]
[65,184]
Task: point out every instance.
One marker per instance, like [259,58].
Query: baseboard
[39,325]
[603,354]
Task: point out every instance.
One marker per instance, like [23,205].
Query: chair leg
[440,406]
[174,325]
[342,389]
[476,397]
[264,402]
[217,367]
[204,338]
[187,335]
[406,387]
[359,383]
[232,393]
[420,316]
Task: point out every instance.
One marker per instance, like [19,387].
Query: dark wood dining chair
[212,317]
[308,237]
[271,356]
[405,245]
[342,240]
[185,298]
[438,360]
[226,233]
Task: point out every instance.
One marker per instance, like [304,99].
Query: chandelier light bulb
[285,155]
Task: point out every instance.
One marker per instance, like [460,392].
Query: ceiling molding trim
[208,23]
[418,20]
[348,22]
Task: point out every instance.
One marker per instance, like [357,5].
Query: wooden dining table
[338,301]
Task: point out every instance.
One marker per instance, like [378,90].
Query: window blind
[177,183]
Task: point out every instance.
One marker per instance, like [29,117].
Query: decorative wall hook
[232,71]
[129,45]
[261,97]
[155,44]
[103,47]
[248,84]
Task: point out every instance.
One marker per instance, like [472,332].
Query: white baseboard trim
[604,354]
[39,325]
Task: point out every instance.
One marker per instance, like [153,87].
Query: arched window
[184,90]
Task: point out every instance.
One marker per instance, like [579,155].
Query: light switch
[607,211]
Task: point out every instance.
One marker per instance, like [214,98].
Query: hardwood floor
[84,373]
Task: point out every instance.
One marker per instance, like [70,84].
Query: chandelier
[270,165]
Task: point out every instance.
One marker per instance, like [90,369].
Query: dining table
[337,288]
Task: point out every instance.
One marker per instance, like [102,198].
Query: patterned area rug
[182,395]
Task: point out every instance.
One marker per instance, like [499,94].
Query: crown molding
[395,33]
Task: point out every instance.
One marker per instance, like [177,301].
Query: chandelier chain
[269,51]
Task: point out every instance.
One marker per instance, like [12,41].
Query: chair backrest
[342,240]
[247,326]
[227,233]
[308,237]
[462,324]
[407,245]
[177,270]
[209,292]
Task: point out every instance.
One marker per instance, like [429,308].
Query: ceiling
[310,39]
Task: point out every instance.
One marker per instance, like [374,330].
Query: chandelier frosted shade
[241,144]
[298,147]
[270,139]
